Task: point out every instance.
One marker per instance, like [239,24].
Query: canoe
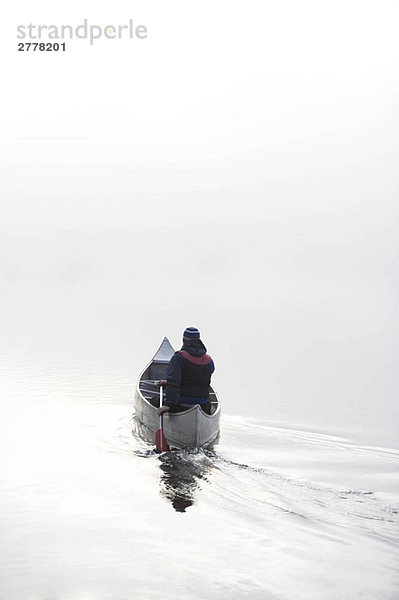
[192,428]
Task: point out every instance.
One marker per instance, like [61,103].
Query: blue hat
[191,333]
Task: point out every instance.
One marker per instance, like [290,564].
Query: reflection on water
[182,475]
[182,471]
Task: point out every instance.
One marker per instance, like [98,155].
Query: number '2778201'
[41,47]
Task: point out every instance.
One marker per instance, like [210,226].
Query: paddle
[160,440]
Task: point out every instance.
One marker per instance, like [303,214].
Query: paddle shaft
[160,404]
[160,440]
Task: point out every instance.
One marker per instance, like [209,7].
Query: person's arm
[173,385]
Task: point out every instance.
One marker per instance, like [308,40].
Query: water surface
[88,510]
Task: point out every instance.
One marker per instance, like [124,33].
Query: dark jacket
[189,375]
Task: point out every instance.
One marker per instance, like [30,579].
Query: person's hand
[161,382]
[163,409]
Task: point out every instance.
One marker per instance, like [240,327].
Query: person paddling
[188,375]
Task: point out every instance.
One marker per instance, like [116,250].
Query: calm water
[89,511]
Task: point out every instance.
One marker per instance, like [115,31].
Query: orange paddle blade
[160,441]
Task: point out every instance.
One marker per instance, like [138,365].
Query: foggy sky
[236,171]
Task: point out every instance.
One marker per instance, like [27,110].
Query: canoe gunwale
[185,412]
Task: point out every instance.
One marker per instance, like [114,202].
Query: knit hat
[191,333]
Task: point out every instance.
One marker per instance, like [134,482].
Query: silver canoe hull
[191,428]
